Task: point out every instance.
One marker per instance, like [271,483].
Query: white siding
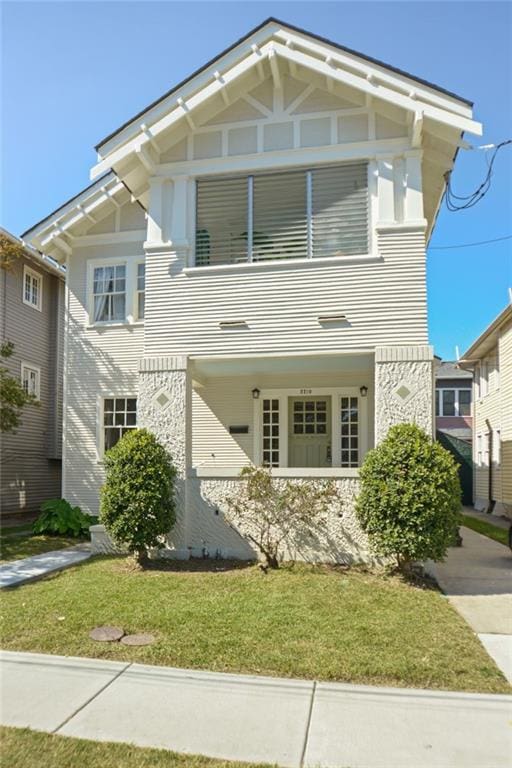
[384,301]
[99,362]
[228,401]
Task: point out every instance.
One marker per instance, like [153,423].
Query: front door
[309,432]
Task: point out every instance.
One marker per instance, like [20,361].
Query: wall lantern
[256,393]
[363,390]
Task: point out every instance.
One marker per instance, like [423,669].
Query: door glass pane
[349,432]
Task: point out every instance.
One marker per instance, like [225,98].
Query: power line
[463,202]
[468,245]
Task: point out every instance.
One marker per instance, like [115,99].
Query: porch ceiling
[220,367]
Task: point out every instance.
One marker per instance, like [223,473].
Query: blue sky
[72,72]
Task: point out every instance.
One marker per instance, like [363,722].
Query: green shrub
[410,496]
[137,499]
[59,517]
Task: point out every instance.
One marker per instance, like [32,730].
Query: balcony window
[314,213]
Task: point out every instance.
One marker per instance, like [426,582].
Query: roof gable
[270,23]
[285,50]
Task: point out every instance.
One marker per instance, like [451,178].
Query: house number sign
[305,391]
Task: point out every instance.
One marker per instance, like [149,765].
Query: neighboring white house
[246,276]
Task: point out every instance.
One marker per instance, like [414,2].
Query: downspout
[490,506]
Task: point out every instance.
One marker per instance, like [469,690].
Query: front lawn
[28,749]
[486,529]
[302,621]
[16,546]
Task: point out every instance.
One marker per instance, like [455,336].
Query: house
[32,319]
[453,400]
[246,277]
[490,359]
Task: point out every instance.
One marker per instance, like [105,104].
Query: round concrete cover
[106,634]
[138,639]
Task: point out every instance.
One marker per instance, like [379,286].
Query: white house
[246,276]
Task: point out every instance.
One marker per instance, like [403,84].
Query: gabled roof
[488,339]
[268,21]
[42,261]
[271,42]
[449,369]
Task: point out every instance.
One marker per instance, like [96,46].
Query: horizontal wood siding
[29,472]
[505,361]
[384,302]
[496,408]
[99,362]
[228,401]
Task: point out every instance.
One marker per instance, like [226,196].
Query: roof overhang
[53,233]
[487,340]
[37,258]
[271,42]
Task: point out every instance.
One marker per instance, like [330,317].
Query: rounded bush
[137,500]
[410,496]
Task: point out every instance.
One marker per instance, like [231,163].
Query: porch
[303,416]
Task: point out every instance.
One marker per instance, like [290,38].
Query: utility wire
[463,202]
[468,245]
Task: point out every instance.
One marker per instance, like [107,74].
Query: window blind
[340,210]
[283,215]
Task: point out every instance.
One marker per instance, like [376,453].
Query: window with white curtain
[109,293]
[306,213]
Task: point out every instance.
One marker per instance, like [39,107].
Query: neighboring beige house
[246,277]
[490,357]
[32,318]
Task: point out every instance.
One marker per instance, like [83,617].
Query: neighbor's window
[109,292]
[141,288]
[31,380]
[32,288]
[283,215]
[453,402]
[119,417]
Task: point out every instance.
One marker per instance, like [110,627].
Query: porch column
[164,408]
[404,388]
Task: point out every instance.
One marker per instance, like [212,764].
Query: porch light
[363,390]
[256,393]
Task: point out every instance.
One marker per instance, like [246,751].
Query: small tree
[137,500]
[12,395]
[270,512]
[410,497]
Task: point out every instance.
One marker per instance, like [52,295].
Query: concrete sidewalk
[18,572]
[477,579]
[289,722]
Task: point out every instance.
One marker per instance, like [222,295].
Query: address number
[305,391]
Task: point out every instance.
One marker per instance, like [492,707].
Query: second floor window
[141,287]
[109,292]
[453,402]
[32,288]
[309,213]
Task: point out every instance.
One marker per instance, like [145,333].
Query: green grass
[15,546]
[302,621]
[22,748]
[486,529]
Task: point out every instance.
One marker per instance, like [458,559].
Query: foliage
[10,251]
[59,517]
[410,496]
[12,395]
[137,500]
[271,512]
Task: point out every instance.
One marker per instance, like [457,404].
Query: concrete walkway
[477,579]
[259,719]
[30,568]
